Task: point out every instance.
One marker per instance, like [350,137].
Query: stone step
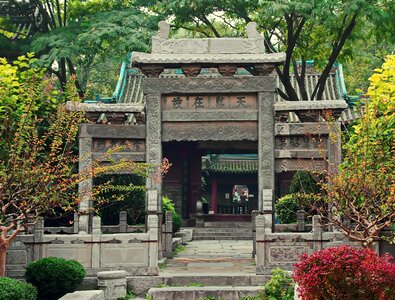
[227,224]
[222,234]
[248,231]
[141,284]
[222,230]
[217,292]
[222,238]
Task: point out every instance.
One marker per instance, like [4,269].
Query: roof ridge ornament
[163,30]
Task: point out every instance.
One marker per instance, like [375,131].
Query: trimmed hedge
[12,289]
[54,276]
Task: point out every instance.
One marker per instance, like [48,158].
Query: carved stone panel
[102,145]
[239,102]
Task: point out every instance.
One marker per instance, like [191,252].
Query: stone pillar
[300,220]
[38,238]
[214,190]
[266,158]
[96,238]
[123,221]
[154,156]
[168,236]
[254,214]
[260,256]
[153,241]
[113,283]
[86,185]
[317,233]
[334,147]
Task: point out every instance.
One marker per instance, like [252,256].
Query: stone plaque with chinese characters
[210,102]
[300,142]
[125,145]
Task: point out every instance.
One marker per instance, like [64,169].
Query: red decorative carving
[227,70]
[152,70]
[263,69]
[191,70]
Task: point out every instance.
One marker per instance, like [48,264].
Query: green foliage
[363,190]
[286,208]
[168,205]
[54,276]
[304,182]
[179,249]
[12,289]
[280,286]
[23,90]
[127,193]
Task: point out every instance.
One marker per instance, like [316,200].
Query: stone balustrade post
[168,235]
[96,238]
[76,221]
[260,255]
[38,238]
[153,241]
[254,214]
[123,221]
[300,220]
[199,214]
[317,233]
[113,283]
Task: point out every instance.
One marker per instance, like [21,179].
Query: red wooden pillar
[214,189]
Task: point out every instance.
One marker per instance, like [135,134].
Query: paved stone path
[212,257]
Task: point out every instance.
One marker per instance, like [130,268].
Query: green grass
[179,249]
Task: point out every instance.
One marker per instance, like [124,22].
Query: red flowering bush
[345,273]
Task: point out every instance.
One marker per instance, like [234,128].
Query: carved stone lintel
[309,115]
[281,116]
[227,70]
[152,71]
[263,69]
[191,70]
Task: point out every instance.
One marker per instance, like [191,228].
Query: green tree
[75,37]
[38,173]
[363,191]
[304,30]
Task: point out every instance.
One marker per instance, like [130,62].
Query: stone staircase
[224,231]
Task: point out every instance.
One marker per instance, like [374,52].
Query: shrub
[54,276]
[345,273]
[11,289]
[286,208]
[168,205]
[304,182]
[280,286]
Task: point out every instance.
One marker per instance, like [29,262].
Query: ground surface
[212,257]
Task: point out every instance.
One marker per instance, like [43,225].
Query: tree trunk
[3,254]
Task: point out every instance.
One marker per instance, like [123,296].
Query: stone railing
[279,249]
[136,253]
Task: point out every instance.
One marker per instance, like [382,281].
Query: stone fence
[136,253]
[122,227]
[280,249]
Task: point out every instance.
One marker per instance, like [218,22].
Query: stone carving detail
[125,145]
[191,70]
[287,254]
[266,141]
[163,30]
[227,70]
[263,69]
[300,142]
[201,85]
[153,139]
[252,32]
[232,102]
[152,71]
